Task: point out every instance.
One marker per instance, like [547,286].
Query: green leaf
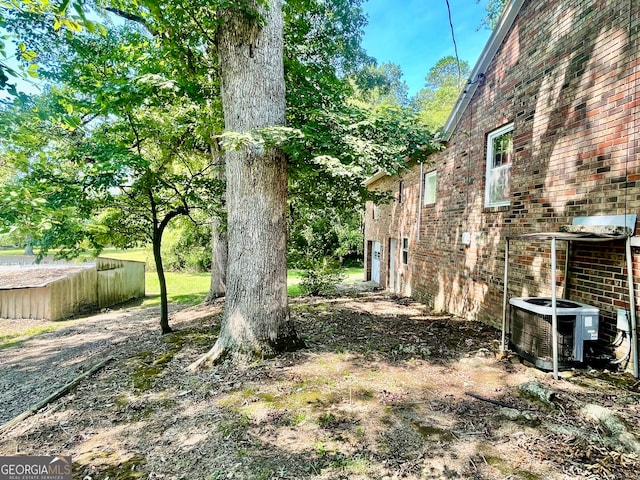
[63,7]
[32,70]
[79,10]
[29,56]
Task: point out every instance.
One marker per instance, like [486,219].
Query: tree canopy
[443,85]
[112,154]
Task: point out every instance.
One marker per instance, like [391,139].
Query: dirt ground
[384,390]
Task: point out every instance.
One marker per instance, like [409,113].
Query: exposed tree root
[537,391]
[214,298]
[224,348]
[213,356]
[618,431]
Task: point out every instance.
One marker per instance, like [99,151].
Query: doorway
[392,265]
[376,254]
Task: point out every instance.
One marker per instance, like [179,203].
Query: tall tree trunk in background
[28,248]
[219,246]
[256,320]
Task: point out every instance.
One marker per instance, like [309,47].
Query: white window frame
[491,170]
[405,251]
[376,212]
[429,195]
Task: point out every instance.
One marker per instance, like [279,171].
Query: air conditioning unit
[530,332]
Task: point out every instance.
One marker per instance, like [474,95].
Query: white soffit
[375,178]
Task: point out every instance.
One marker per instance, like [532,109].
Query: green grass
[182,288]
[11,251]
[192,288]
[137,254]
[354,274]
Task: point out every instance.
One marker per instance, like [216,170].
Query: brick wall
[568,76]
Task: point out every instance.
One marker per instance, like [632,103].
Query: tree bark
[256,320]
[219,245]
[219,249]
[164,303]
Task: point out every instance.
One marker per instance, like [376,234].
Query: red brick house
[548,129]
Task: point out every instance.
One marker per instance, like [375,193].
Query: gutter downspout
[566,270]
[420,200]
[632,308]
[554,315]
[504,296]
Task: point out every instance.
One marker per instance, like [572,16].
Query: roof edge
[477,74]
[374,178]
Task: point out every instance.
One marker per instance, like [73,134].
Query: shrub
[188,247]
[321,276]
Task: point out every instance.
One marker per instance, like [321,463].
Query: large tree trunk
[256,320]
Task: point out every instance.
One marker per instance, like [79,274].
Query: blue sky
[415,34]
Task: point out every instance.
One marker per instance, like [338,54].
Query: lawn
[11,251]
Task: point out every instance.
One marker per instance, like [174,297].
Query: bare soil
[383,390]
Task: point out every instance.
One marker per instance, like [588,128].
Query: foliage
[321,276]
[352,121]
[188,247]
[131,151]
[342,148]
[138,123]
[443,85]
[375,85]
[182,287]
[324,233]
[34,27]
[50,193]
[493,11]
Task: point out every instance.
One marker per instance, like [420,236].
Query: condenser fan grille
[531,337]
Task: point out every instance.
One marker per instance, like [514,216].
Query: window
[429,188]
[405,251]
[499,159]
[376,212]
[400,191]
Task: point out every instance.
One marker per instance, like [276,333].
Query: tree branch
[170,216]
[134,18]
[201,28]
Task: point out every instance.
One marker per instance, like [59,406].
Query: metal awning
[604,228]
[571,236]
